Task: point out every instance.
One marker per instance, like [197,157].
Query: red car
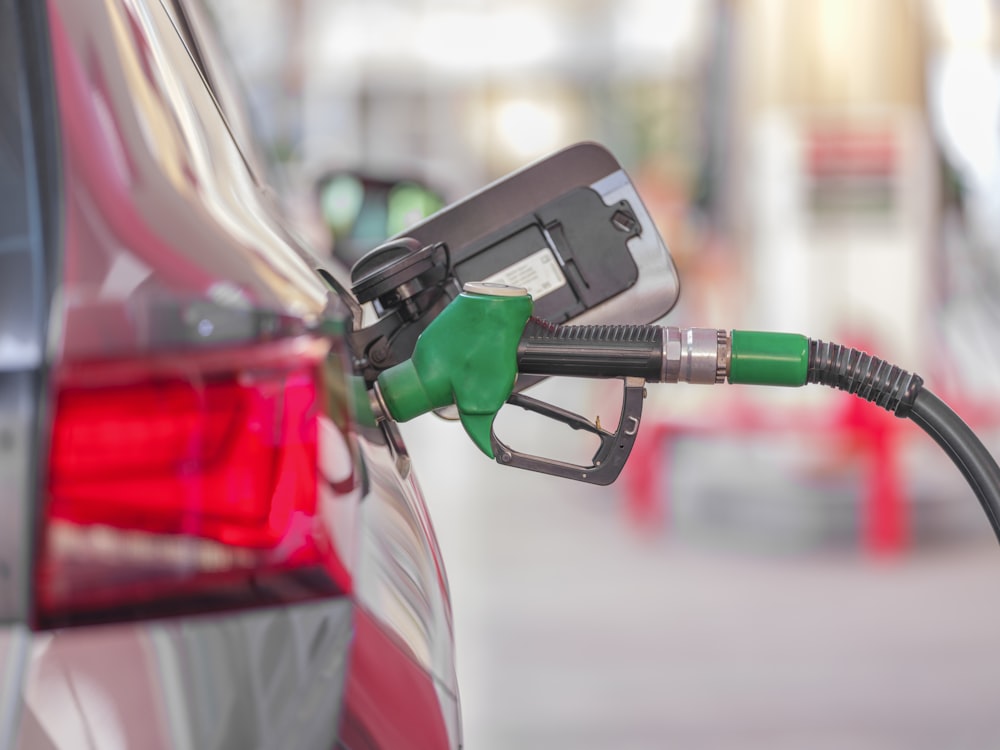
[201,545]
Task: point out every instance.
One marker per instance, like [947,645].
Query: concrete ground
[575,629]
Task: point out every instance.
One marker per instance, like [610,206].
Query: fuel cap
[389,267]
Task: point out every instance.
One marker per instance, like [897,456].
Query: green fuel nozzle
[471,354]
[467,357]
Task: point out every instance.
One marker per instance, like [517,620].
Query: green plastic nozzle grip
[762,358]
[467,356]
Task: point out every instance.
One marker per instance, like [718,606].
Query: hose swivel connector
[695,355]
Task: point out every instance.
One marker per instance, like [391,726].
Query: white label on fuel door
[539,273]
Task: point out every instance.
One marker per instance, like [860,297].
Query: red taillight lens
[186,486]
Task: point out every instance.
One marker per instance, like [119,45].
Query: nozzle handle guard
[611,455]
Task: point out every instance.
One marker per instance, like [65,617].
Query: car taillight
[186,484]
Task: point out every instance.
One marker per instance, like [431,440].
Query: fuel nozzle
[471,354]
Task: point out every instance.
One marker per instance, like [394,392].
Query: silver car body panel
[263,679]
[18,404]
[400,577]
[15,641]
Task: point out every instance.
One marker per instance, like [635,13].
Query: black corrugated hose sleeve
[862,374]
[903,394]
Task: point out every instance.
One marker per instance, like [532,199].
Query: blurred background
[775,569]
